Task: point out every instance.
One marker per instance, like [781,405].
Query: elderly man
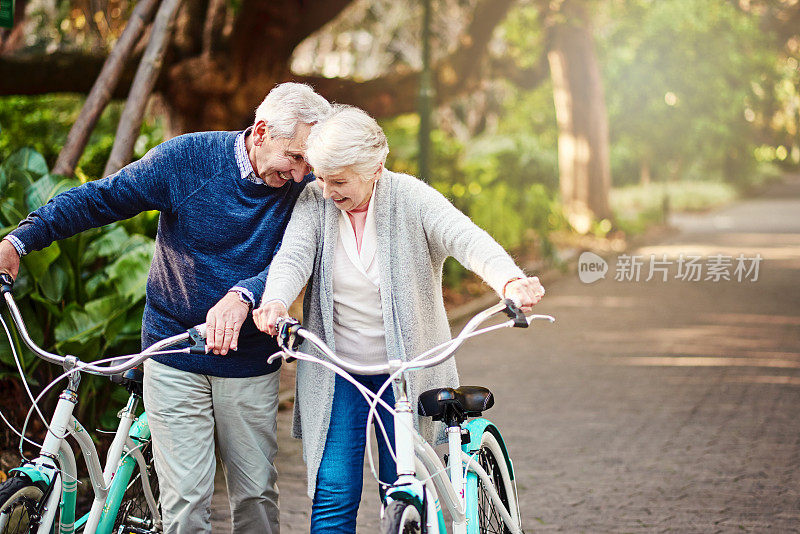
[225,199]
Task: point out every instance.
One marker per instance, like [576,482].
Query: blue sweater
[216,231]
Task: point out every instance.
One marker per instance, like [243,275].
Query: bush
[82,296]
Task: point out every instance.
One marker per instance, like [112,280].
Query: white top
[358,327]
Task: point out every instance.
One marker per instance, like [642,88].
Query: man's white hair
[348,137]
[288,104]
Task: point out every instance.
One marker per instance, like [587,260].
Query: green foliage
[683,78]
[504,182]
[43,122]
[83,295]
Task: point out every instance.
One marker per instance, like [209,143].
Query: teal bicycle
[476,482]
[40,495]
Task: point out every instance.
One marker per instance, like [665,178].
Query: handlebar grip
[6,283]
[520,321]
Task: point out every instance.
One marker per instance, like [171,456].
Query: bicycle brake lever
[198,339]
[6,283]
[512,311]
[287,334]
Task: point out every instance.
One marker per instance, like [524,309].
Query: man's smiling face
[277,160]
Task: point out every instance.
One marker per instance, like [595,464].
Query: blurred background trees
[552,118]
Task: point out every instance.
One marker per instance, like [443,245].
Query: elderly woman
[373,243]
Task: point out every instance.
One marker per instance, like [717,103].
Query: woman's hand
[268,314]
[526,292]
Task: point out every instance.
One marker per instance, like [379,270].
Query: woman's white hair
[348,137]
[288,104]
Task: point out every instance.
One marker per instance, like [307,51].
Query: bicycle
[480,493]
[41,488]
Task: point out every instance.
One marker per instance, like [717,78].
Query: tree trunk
[131,121]
[103,88]
[644,174]
[583,143]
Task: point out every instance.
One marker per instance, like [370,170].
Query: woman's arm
[453,233]
[292,265]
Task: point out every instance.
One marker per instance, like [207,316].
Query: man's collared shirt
[243,160]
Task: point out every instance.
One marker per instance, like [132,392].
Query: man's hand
[9,259]
[223,323]
[267,315]
[526,292]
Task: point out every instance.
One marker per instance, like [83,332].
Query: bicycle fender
[412,491]
[40,473]
[476,429]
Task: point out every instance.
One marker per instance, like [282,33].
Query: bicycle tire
[401,518]
[20,498]
[482,515]
[134,514]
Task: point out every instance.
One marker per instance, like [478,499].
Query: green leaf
[27,159]
[74,325]
[129,273]
[37,263]
[95,284]
[109,244]
[45,188]
[113,328]
[105,309]
[54,282]
[12,212]
[86,325]
[85,350]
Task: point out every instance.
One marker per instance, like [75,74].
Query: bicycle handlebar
[127,361]
[289,329]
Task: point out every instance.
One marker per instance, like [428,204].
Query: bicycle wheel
[401,518]
[19,499]
[134,514]
[483,516]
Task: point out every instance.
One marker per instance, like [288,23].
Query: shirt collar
[243,160]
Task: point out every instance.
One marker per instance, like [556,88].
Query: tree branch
[103,88]
[396,93]
[525,79]
[281,26]
[59,72]
[131,121]
[212,28]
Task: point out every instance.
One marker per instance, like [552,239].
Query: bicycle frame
[422,459]
[56,463]
[56,467]
[417,462]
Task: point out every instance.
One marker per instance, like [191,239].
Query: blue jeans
[341,471]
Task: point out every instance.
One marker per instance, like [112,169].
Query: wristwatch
[243,297]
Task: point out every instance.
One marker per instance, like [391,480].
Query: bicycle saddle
[466,401]
[132,380]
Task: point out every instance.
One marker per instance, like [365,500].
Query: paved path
[649,406]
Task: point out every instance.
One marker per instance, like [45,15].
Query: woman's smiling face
[347,189]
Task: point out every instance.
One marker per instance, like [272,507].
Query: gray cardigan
[417,229]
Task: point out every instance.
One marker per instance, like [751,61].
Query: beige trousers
[184,411]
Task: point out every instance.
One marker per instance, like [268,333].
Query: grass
[639,206]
